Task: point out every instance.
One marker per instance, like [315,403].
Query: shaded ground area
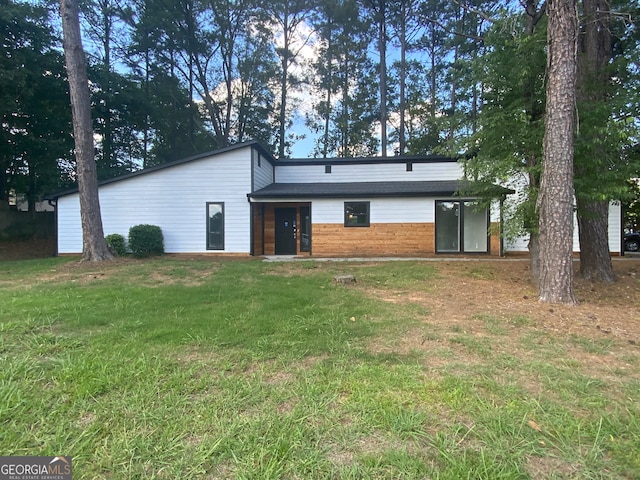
[26,249]
[470,295]
[481,292]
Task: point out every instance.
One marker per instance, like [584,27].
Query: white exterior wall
[615,233]
[381,210]
[174,199]
[494,212]
[368,173]
[262,171]
[616,228]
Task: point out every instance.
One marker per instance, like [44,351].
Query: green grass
[170,368]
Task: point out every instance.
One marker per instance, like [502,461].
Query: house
[20,203]
[242,200]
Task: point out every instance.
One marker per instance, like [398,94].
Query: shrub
[117,244]
[146,240]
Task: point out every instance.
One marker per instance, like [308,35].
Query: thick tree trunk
[593,77]
[555,201]
[593,227]
[534,257]
[94,247]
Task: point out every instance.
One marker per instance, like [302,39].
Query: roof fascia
[353,195]
[367,160]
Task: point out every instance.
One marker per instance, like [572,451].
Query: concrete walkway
[295,258]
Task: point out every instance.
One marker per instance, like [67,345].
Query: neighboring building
[19,202]
[241,200]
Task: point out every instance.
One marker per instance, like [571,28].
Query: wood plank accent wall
[269,230]
[336,240]
[270,227]
[380,239]
[258,229]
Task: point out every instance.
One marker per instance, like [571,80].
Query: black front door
[285,231]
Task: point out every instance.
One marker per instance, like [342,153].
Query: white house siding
[494,212]
[262,171]
[615,227]
[174,199]
[381,210]
[69,225]
[374,172]
[615,232]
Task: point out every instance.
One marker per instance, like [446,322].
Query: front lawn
[177,368]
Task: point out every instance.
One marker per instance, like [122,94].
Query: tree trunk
[595,261]
[595,53]
[382,47]
[327,113]
[534,257]
[555,201]
[284,83]
[94,247]
[403,80]
[4,184]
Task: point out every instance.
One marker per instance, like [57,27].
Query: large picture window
[215,226]
[356,214]
[461,226]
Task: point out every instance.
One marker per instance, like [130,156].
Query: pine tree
[94,247]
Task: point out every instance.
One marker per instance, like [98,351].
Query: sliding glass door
[461,226]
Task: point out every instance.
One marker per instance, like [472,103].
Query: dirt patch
[469,295]
[488,313]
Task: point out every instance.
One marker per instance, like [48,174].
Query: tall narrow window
[215,226]
[461,226]
[305,229]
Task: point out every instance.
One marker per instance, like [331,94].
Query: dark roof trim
[367,160]
[252,144]
[376,190]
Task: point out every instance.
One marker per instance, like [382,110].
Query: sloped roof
[375,189]
[253,143]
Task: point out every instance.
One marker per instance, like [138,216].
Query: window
[356,214]
[461,226]
[327,169]
[215,226]
[305,229]
[409,167]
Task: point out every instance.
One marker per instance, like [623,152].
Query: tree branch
[452,32]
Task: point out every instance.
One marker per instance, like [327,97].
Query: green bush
[146,240]
[117,244]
